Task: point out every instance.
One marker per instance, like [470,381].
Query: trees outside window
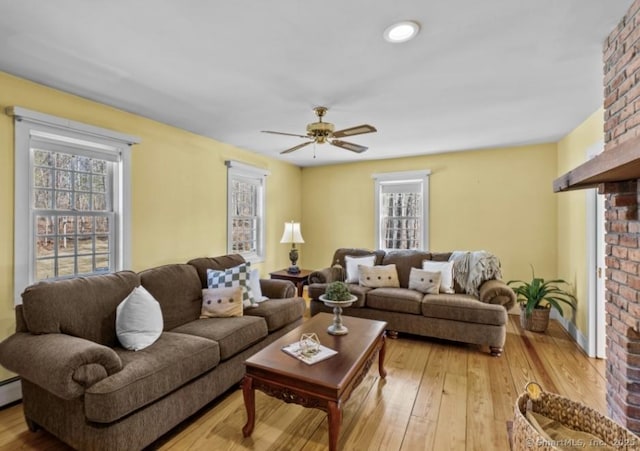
[72,199]
[245,210]
[402,210]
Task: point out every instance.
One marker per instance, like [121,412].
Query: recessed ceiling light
[401,31]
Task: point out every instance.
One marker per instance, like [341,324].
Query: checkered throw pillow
[238,276]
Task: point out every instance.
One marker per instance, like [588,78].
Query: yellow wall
[499,200]
[572,214]
[179,187]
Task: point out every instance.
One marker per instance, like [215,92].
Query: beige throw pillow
[424,281]
[221,302]
[378,276]
[446,274]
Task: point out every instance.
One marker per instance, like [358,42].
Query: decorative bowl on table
[337,328]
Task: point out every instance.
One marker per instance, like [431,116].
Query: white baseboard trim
[575,333]
[10,391]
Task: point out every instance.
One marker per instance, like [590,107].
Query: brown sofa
[459,317]
[81,386]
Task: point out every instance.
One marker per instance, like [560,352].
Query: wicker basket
[538,321]
[572,414]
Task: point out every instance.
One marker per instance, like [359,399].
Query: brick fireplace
[616,173]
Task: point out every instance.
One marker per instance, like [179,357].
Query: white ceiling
[480,74]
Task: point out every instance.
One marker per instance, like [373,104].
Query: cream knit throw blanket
[470,269]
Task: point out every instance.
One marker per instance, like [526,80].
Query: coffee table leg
[249,395]
[381,353]
[334,411]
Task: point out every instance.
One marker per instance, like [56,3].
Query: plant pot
[538,321]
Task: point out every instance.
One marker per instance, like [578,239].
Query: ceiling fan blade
[349,146]
[357,130]
[286,134]
[299,146]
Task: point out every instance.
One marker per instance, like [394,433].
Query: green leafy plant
[540,293]
[337,291]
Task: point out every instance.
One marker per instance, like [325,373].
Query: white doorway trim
[595,266]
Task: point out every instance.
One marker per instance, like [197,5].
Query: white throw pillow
[352,263]
[138,320]
[446,274]
[254,283]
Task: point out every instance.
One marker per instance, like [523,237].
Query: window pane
[42,178]
[99,184]
[43,158]
[401,218]
[66,266]
[102,262]
[63,200]
[63,180]
[244,214]
[64,161]
[83,201]
[42,199]
[85,264]
[45,269]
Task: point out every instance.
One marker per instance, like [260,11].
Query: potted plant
[337,292]
[536,299]
[337,296]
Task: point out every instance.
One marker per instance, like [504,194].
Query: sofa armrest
[327,275]
[62,364]
[277,288]
[497,292]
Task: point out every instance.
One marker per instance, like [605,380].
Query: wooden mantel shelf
[615,165]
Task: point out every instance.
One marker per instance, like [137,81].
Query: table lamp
[292,235]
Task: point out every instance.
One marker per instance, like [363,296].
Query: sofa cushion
[83,307]
[317,289]
[232,334]
[177,288]
[400,300]
[279,312]
[404,261]
[150,374]
[378,276]
[463,307]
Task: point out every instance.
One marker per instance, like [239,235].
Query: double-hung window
[245,210]
[71,199]
[402,210]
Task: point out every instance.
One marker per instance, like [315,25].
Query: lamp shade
[292,233]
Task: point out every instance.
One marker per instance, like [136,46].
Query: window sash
[401,210]
[34,130]
[246,210]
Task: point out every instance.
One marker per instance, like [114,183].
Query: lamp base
[293,270]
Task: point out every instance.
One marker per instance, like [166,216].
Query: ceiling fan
[322,132]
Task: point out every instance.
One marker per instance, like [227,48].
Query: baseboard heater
[10,391]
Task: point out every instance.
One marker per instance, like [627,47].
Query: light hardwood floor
[436,396]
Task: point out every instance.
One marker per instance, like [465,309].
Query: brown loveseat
[459,317]
[80,385]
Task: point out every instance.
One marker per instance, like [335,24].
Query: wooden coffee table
[324,385]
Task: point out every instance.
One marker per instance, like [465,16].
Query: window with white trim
[402,210]
[246,192]
[71,199]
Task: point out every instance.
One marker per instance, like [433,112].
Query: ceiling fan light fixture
[401,31]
